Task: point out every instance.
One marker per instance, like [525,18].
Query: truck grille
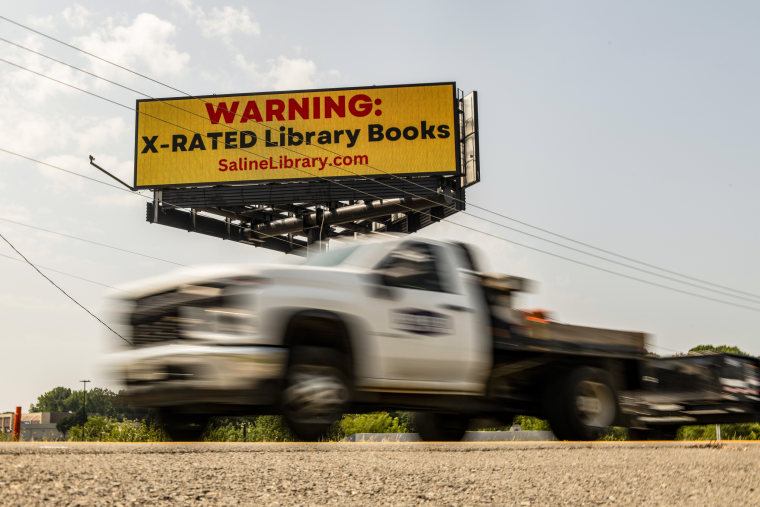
[155,318]
[162,329]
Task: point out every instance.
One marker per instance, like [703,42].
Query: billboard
[306,134]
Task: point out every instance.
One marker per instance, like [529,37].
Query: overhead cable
[458,224]
[43,275]
[131,192]
[454,198]
[46,268]
[92,242]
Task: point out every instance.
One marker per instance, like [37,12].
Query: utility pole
[84,389]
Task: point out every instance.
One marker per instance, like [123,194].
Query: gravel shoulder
[513,473]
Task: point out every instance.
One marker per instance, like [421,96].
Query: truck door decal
[422,322]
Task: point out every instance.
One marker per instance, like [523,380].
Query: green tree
[270,428]
[375,422]
[57,399]
[123,410]
[529,423]
[264,428]
[100,401]
[103,429]
[719,348]
[78,418]
[737,431]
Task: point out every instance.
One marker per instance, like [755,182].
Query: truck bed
[567,339]
[513,330]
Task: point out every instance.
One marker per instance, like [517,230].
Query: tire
[438,427]
[584,404]
[316,391]
[183,427]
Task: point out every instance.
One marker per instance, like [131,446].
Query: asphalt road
[514,473]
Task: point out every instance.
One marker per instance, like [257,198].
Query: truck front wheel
[583,405]
[316,391]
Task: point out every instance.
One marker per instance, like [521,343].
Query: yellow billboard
[350,132]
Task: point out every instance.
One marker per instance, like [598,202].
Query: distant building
[35,426]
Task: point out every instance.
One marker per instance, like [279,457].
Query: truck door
[426,324]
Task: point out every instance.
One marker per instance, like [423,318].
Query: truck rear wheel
[583,405]
[316,391]
[438,427]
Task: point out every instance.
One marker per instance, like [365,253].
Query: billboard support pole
[92,163]
[157,194]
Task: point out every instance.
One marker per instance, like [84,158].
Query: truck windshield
[331,257]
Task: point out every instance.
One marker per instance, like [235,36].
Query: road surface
[514,473]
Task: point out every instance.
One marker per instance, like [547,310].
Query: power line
[89,241]
[455,223]
[80,305]
[508,241]
[648,282]
[631,259]
[192,131]
[64,170]
[501,215]
[642,280]
[89,54]
[46,268]
[131,192]
[754,298]
[481,232]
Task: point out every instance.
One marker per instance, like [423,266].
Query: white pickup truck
[406,324]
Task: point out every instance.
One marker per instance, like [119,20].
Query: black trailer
[709,388]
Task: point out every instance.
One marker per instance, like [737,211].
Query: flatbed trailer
[655,395]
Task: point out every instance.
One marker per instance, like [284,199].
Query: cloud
[190,8]
[115,200]
[22,87]
[76,16]
[221,23]
[29,133]
[59,181]
[226,21]
[291,73]
[98,133]
[15,212]
[144,43]
[283,73]
[246,66]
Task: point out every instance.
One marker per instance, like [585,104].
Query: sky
[629,126]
